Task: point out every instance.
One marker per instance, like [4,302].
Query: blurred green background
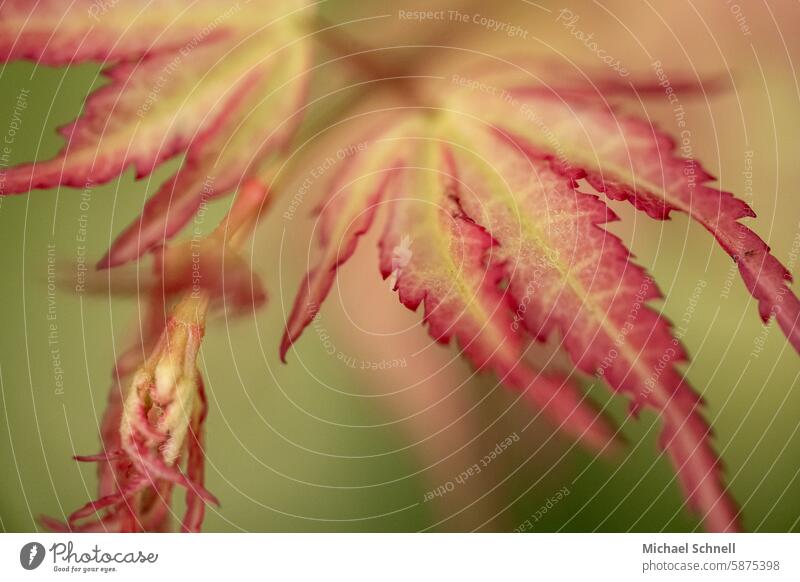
[316,445]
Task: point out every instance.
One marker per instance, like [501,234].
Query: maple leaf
[498,222]
[146,431]
[225,85]
[630,159]
[157,405]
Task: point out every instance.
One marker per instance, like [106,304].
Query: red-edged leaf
[111,136]
[630,159]
[488,227]
[255,128]
[448,269]
[586,289]
[439,259]
[347,214]
[55,32]
[152,110]
[229,96]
